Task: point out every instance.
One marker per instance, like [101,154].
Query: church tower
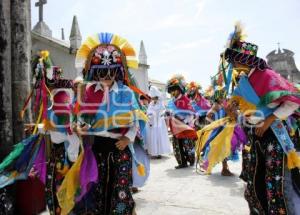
[142,54]
[283,62]
[75,36]
[141,75]
[41,27]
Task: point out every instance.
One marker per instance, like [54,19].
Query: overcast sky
[181,36]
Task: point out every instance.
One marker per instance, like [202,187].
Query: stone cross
[40,4]
[278,45]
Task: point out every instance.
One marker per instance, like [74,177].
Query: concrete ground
[169,191]
[183,191]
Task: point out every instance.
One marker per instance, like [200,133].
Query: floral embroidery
[187,154]
[122,195]
[112,193]
[120,207]
[272,154]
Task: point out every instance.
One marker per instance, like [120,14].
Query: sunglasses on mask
[105,73]
[173,88]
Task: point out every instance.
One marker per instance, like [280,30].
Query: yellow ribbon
[121,119]
[38,120]
[293,160]
[220,147]
[68,189]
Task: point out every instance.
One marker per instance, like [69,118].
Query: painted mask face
[240,68]
[106,76]
[175,93]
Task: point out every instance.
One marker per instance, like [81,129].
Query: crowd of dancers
[90,146]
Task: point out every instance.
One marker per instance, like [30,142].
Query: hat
[176,82]
[154,92]
[105,51]
[57,73]
[209,92]
[219,94]
[240,51]
[193,88]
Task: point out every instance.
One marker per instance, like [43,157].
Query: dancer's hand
[80,129]
[259,131]
[122,143]
[231,110]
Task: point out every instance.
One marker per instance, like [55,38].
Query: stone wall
[14,69]
[6,135]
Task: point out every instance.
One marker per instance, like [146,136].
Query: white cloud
[173,20]
[180,35]
[168,48]
[186,74]
[200,7]
[185,13]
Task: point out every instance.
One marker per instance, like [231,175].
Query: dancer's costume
[200,104]
[181,123]
[49,152]
[271,167]
[157,138]
[222,139]
[109,114]
[217,110]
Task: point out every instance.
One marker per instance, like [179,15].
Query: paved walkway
[170,191]
[184,192]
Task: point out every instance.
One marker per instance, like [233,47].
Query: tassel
[141,170]
[293,160]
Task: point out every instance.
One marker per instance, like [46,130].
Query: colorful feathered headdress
[237,36]
[219,94]
[105,50]
[193,88]
[209,92]
[240,51]
[176,82]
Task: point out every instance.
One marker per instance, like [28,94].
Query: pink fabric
[37,100]
[268,80]
[203,103]
[92,99]
[181,130]
[44,99]
[184,103]
[62,102]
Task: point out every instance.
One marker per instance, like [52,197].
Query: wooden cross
[40,4]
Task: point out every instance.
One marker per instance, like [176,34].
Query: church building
[63,52]
[283,62]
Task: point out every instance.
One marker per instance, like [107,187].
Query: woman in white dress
[157,139]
